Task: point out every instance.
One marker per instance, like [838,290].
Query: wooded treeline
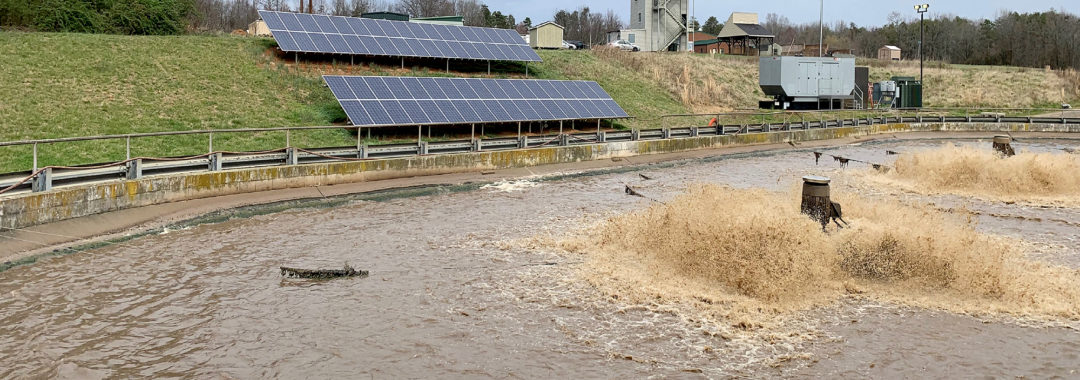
[180,16]
[1014,39]
[587,26]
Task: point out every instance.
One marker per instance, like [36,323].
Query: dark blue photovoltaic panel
[285,40]
[514,111]
[325,24]
[396,112]
[321,42]
[379,101]
[307,23]
[342,25]
[448,110]
[360,88]
[375,111]
[302,40]
[339,43]
[301,32]
[356,112]
[466,111]
[273,21]
[340,88]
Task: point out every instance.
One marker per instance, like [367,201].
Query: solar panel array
[385,101]
[311,33]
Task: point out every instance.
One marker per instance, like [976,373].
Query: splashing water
[748,257]
[1027,177]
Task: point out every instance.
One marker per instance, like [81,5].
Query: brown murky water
[453,294]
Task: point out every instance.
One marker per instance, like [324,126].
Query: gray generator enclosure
[807,82]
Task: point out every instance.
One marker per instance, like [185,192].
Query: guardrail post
[523,142]
[361,151]
[134,169]
[564,139]
[719,129]
[665,133]
[601,136]
[693,132]
[765,127]
[215,162]
[43,181]
[290,156]
[635,135]
[422,147]
[476,145]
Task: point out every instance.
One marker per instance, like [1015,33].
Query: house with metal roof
[744,35]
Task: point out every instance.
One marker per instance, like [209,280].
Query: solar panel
[386,101]
[308,33]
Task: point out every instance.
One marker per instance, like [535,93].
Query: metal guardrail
[43,179]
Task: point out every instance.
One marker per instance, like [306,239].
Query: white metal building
[657,25]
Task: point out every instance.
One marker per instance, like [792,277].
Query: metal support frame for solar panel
[311,33]
[376,101]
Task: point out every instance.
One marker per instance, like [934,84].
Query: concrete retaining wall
[23,210]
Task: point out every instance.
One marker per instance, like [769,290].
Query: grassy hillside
[62,85]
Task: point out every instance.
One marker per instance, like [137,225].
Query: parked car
[568,46]
[624,45]
[578,45]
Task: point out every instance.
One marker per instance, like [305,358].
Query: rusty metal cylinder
[1002,144]
[815,198]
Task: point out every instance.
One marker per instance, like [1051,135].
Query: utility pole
[821,28]
[921,8]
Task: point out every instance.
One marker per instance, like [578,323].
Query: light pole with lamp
[921,8]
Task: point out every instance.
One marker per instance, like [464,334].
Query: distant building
[743,35]
[442,20]
[258,28]
[392,16]
[711,46]
[547,35]
[656,25]
[888,53]
[700,36]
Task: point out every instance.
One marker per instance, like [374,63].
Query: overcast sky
[861,12]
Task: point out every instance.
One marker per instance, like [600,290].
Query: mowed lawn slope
[64,85]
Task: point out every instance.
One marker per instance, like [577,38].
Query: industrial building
[656,25]
[547,35]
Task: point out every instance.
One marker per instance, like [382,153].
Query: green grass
[63,85]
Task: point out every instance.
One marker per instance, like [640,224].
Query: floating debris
[348,271]
[645,177]
[891,152]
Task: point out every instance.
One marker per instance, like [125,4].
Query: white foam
[510,186]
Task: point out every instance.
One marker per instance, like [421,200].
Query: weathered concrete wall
[25,210]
